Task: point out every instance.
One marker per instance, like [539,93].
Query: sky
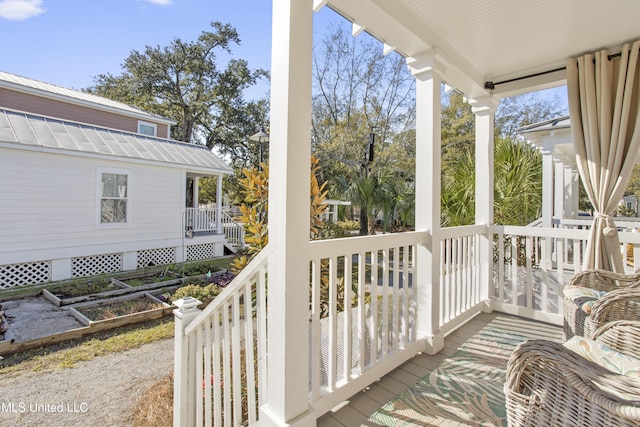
[68,42]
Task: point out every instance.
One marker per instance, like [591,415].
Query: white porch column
[559,189]
[484,109]
[427,69]
[572,192]
[547,188]
[289,169]
[196,186]
[219,229]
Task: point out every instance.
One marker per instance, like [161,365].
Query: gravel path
[97,393]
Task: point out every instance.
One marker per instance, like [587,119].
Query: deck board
[360,407]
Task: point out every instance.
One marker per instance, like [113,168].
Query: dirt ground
[100,393]
[36,317]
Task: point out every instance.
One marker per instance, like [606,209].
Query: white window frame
[100,171]
[151,125]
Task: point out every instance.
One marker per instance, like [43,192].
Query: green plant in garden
[200,267]
[254,209]
[202,293]
[255,190]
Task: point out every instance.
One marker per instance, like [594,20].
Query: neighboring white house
[560,180]
[87,187]
[560,188]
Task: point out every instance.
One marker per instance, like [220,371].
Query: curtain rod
[491,85]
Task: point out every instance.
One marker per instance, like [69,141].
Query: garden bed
[77,290]
[197,268]
[141,279]
[136,307]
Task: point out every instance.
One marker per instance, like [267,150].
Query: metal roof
[24,84]
[547,125]
[37,131]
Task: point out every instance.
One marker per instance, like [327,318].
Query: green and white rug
[464,390]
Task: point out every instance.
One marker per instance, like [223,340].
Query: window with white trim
[146,128]
[114,189]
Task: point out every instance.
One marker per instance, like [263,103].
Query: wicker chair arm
[604,280]
[619,304]
[620,335]
[556,366]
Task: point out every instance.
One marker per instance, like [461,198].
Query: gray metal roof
[562,122]
[33,130]
[24,84]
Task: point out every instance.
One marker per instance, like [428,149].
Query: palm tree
[518,183]
[517,186]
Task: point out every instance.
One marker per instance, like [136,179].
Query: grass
[155,407]
[67,354]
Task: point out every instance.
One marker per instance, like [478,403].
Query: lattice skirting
[97,264]
[31,273]
[153,257]
[204,251]
[13,275]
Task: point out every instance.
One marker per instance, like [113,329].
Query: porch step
[230,249]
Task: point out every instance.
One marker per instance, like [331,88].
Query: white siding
[48,207]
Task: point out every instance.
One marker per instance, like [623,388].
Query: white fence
[459,274]
[220,356]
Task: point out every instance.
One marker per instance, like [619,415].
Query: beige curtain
[605,122]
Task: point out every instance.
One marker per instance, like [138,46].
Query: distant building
[89,185]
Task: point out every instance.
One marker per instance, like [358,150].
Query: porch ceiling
[497,40]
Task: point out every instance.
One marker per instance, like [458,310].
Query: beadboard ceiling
[497,40]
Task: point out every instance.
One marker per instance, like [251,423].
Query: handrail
[206,220]
[234,231]
[223,373]
[247,273]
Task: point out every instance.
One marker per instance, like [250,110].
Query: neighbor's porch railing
[204,220]
[363,313]
[200,219]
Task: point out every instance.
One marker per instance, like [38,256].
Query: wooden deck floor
[364,404]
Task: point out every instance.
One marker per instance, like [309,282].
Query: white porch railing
[199,220]
[362,320]
[233,231]
[459,275]
[363,312]
[220,356]
[532,264]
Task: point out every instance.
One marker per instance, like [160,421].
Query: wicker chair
[575,319]
[550,385]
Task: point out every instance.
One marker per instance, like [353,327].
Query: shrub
[203,293]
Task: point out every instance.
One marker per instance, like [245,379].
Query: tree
[185,82]
[517,186]
[359,91]
[518,176]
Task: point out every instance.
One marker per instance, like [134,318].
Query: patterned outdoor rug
[464,390]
